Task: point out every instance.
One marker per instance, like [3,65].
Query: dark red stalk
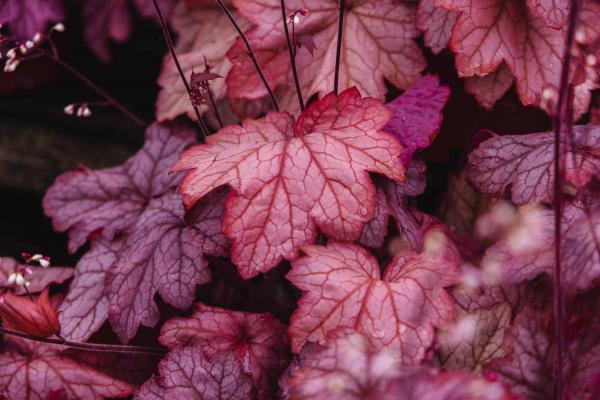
[97,347]
[338,51]
[561,121]
[250,52]
[202,126]
[214,107]
[291,50]
[113,102]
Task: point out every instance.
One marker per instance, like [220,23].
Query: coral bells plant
[287,229]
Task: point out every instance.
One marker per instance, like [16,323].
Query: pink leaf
[85,308]
[377,43]
[524,162]
[554,13]
[258,341]
[489,88]
[289,179]
[30,370]
[400,309]
[203,33]
[187,374]
[461,205]
[26,18]
[163,255]
[111,199]
[417,115]
[39,278]
[437,23]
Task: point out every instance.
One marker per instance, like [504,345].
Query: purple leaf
[417,115]
[111,199]
[524,162]
[163,255]
[26,18]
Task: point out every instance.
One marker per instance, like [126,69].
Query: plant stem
[292,55]
[113,102]
[338,51]
[214,107]
[97,347]
[202,126]
[561,120]
[250,52]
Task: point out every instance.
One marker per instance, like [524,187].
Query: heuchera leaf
[111,199]
[32,316]
[290,178]
[258,341]
[164,254]
[392,201]
[529,368]
[524,162]
[417,115]
[30,370]
[85,307]
[39,278]
[526,251]
[187,374]
[437,23]
[461,205]
[26,18]
[203,33]
[377,43]
[399,309]
[490,32]
[489,88]
[110,20]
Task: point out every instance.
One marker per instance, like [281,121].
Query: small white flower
[59,27]
[11,53]
[44,262]
[11,65]
[37,37]
[69,109]
[17,279]
[29,44]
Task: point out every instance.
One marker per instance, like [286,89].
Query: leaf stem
[202,126]
[561,121]
[113,102]
[338,51]
[292,52]
[97,347]
[214,107]
[250,52]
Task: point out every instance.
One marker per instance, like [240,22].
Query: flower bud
[35,318]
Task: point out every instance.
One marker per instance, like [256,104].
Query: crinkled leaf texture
[85,307]
[288,178]
[188,374]
[344,289]
[529,368]
[26,18]
[111,199]
[258,341]
[437,23]
[524,162]
[377,43]
[110,20]
[417,115]
[32,371]
[164,255]
[489,33]
[203,33]
[39,278]
[352,366]
[526,251]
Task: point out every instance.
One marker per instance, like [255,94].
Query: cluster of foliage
[287,243]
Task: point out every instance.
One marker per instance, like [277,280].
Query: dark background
[38,141]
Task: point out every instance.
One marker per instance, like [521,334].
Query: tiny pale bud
[23,49]
[44,262]
[86,112]
[29,44]
[11,53]
[590,60]
[11,65]
[36,257]
[580,36]
[70,109]
[37,37]
[20,280]
[12,278]
[59,27]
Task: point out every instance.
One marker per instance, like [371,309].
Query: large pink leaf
[290,178]
[344,288]
[111,199]
[32,371]
[26,18]
[527,250]
[39,278]
[490,32]
[393,201]
[417,115]
[377,43]
[187,374]
[164,255]
[524,162]
[437,23]
[85,307]
[258,341]
[204,32]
